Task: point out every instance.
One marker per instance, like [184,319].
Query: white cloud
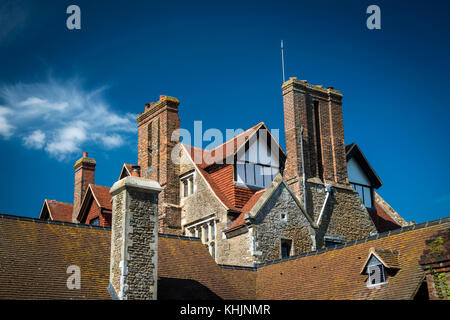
[61,117]
[5,127]
[35,141]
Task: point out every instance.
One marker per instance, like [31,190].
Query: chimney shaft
[157,138]
[319,112]
[134,239]
[84,176]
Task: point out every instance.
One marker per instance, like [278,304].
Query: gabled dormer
[361,175]
[258,160]
[379,265]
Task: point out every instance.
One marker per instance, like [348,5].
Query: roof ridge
[62,223]
[359,241]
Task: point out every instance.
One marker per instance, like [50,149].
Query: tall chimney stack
[156,140]
[84,176]
[319,112]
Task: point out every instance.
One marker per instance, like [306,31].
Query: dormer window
[95,222]
[365,193]
[379,264]
[254,175]
[375,270]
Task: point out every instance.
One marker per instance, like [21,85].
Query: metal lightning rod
[282,60]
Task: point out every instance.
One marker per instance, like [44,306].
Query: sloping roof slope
[35,255]
[335,274]
[58,211]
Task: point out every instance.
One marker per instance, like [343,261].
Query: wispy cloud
[59,117]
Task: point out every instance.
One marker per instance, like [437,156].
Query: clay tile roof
[239,221]
[214,187]
[102,196]
[389,258]
[221,182]
[335,273]
[35,254]
[60,211]
[186,269]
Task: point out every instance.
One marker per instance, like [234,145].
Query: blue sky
[63,92]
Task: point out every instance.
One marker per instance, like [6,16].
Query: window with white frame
[206,231]
[187,184]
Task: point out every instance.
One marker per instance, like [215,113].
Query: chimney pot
[147,105]
[85,154]
[161,97]
[135,173]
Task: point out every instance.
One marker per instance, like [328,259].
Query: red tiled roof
[60,211]
[220,176]
[102,196]
[127,169]
[239,221]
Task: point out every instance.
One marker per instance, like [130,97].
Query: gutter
[328,190]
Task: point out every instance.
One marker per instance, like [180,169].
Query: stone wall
[344,215]
[134,239]
[270,228]
[237,249]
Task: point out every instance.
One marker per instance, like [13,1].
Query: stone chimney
[84,176]
[134,239]
[156,126]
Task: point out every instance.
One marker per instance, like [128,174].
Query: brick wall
[84,175]
[94,212]
[319,111]
[156,126]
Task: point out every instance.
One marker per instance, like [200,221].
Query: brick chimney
[134,239]
[319,111]
[155,128]
[84,176]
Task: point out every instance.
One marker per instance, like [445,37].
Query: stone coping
[135,183]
